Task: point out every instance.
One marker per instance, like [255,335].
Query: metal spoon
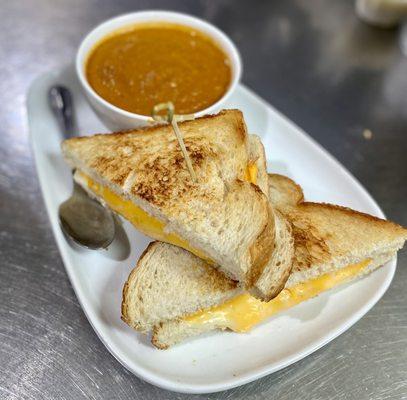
[83,219]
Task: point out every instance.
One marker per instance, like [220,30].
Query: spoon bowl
[82,218]
[86,221]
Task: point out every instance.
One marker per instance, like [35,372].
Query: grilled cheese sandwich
[243,312]
[332,246]
[141,219]
[142,175]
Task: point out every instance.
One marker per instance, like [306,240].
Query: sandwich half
[224,217]
[176,295]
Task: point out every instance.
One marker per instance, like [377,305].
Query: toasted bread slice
[222,217]
[169,282]
[283,192]
[327,238]
[278,268]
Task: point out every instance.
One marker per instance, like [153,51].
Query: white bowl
[114,117]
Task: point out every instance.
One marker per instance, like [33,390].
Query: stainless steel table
[340,80]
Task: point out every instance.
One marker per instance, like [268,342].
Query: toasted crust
[284,193]
[390,226]
[279,266]
[147,130]
[261,251]
[132,277]
[155,338]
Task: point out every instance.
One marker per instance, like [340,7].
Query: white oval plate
[221,360]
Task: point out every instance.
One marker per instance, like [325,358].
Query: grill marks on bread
[162,178]
[310,245]
[325,232]
[150,162]
[157,178]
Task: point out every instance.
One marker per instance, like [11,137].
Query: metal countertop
[314,61]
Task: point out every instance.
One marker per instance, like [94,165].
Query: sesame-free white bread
[327,238]
[222,216]
[169,333]
[168,282]
[278,268]
[283,192]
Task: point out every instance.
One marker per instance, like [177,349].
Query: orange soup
[136,68]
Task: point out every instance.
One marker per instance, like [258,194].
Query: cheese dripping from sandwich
[243,312]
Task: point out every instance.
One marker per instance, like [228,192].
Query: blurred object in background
[382,13]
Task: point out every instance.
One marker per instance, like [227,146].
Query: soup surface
[153,63]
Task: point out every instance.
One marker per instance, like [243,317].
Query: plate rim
[256,373]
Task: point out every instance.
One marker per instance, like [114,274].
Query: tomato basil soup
[136,68]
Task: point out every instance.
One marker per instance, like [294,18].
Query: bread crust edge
[124,305]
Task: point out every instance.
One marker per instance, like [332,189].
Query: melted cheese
[251,173]
[142,220]
[243,312]
[145,222]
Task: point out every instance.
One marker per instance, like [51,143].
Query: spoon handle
[61,103]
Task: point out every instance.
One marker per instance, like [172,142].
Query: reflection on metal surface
[381,13]
[345,43]
[315,62]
